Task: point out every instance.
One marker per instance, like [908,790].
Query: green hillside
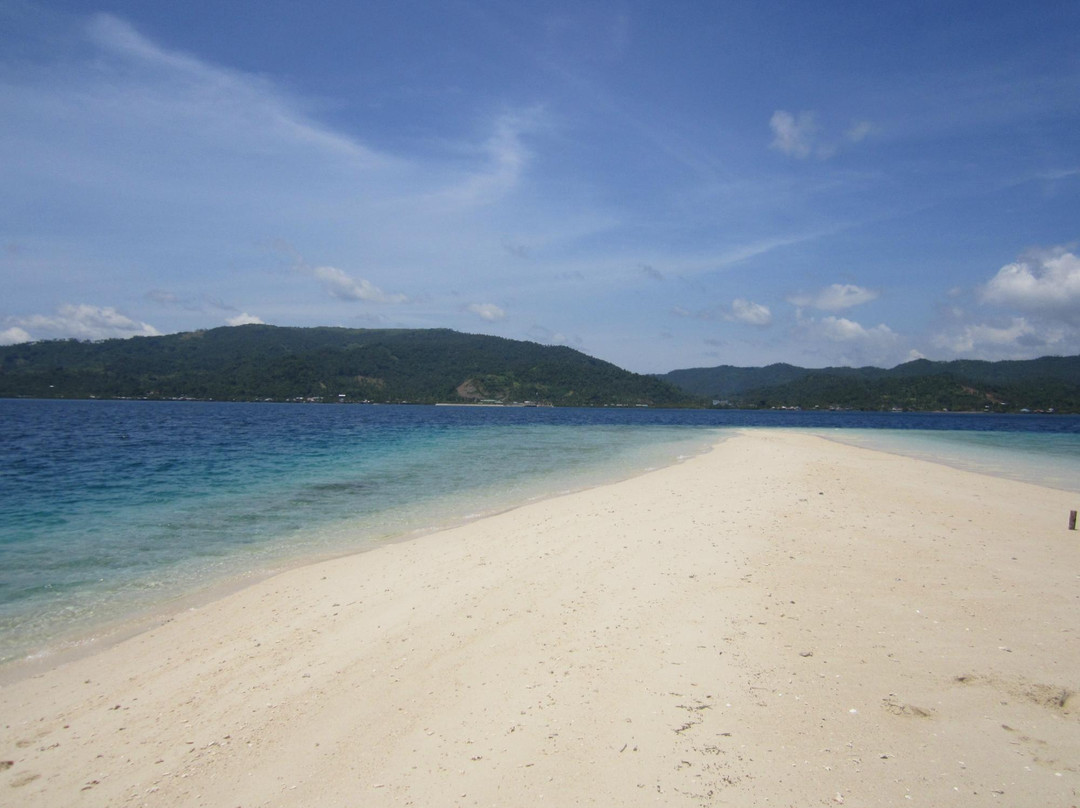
[1049,383]
[256,362]
[725,381]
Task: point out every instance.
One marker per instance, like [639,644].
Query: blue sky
[662,185]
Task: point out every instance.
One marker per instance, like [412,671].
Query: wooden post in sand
[1072,520]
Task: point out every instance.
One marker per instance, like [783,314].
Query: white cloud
[80,322]
[506,160]
[975,337]
[801,136]
[740,311]
[13,336]
[1040,296]
[244,319]
[1045,283]
[840,340]
[212,99]
[487,311]
[836,297]
[340,285]
[744,311]
[793,136]
[840,329]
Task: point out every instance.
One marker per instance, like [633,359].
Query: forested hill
[1049,383]
[257,362]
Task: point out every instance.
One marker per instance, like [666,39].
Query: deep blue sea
[112,509]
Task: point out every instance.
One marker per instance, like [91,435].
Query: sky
[658,184]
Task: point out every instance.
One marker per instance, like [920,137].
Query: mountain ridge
[279,363]
[1049,383]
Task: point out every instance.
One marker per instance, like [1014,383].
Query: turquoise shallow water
[109,509]
[1048,459]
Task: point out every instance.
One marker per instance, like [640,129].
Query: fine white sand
[782,621]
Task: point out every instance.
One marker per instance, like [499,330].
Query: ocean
[110,510]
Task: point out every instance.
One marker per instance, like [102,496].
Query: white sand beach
[782,621]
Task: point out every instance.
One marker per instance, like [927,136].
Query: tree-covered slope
[1052,382]
[268,362]
[727,380]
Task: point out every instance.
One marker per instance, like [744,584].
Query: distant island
[441,366]
[321,365]
[1049,384]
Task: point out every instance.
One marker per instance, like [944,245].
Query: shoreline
[81,643]
[745,624]
[1030,472]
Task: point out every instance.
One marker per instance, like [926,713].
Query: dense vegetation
[257,362]
[262,362]
[1049,383]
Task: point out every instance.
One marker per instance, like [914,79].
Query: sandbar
[780,621]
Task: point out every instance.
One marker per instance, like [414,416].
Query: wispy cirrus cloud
[506,158]
[209,97]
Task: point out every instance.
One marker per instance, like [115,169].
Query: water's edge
[79,644]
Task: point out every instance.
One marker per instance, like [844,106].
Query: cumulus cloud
[841,329]
[340,285]
[836,297]
[1014,337]
[13,336]
[1037,299]
[1045,283]
[744,311]
[79,322]
[487,311]
[792,135]
[244,319]
[848,342]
